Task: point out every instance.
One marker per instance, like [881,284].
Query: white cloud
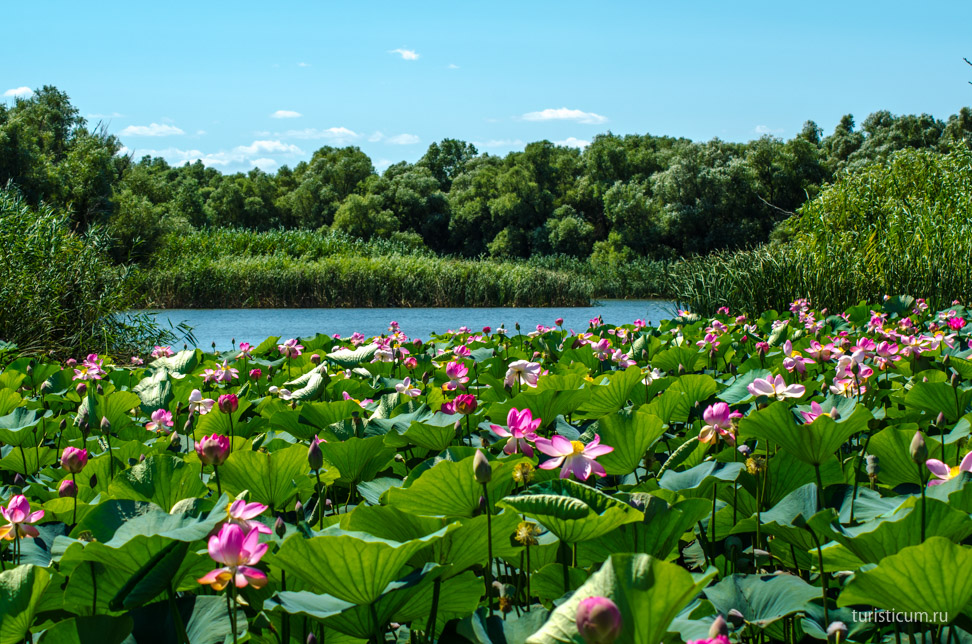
[376,136]
[452,66]
[19,92]
[765,129]
[303,64]
[268,147]
[264,164]
[154,129]
[286,114]
[571,142]
[403,139]
[499,143]
[337,135]
[564,114]
[406,54]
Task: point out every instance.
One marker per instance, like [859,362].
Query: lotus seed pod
[836,633]
[482,470]
[872,465]
[598,620]
[919,451]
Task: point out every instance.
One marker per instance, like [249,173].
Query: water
[254,325]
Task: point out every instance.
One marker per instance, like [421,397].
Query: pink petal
[211,576]
[562,445]
[598,469]
[499,431]
[29,530]
[598,450]
[552,463]
[939,469]
[35,517]
[258,552]
[966,464]
[255,576]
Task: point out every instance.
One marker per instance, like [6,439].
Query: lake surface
[254,325]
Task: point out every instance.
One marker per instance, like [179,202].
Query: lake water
[253,325]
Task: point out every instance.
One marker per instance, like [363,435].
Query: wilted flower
[213,450]
[73,459]
[161,421]
[19,517]
[522,431]
[238,552]
[574,456]
[598,620]
[523,472]
[527,533]
[523,372]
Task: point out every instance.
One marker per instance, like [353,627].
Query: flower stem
[823,576]
[219,488]
[230,608]
[430,628]
[74,520]
[489,549]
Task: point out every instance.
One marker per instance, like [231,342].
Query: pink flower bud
[228,403]
[73,459]
[67,488]
[213,450]
[598,620]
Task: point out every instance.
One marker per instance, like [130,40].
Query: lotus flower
[456,372]
[73,459]
[718,422]
[602,349]
[574,456]
[161,421]
[598,620]
[816,410]
[291,348]
[19,517]
[522,431]
[775,388]
[944,473]
[465,404]
[213,450]
[523,372]
[198,404]
[246,350]
[405,387]
[162,352]
[238,552]
[242,514]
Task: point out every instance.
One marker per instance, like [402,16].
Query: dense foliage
[793,473]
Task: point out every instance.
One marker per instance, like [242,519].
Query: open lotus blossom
[794,360]
[162,352]
[161,421]
[347,396]
[462,351]
[718,422]
[456,373]
[243,514]
[622,359]
[137,362]
[775,387]
[823,352]
[19,517]
[238,552]
[573,457]
[943,472]
[246,350]
[955,323]
[226,373]
[522,431]
[523,372]
[602,349]
[816,411]
[198,404]
[291,348]
[405,387]
[88,371]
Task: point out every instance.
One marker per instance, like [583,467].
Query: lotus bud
[214,346]
[955,380]
[67,488]
[100,390]
[411,362]
[487,329]
[175,442]
[316,358]
[482,470]
[81,388]
[279,527]
[213,449]
[93,481]
[315,458]
[425,378]
[105,425]
[299,510]
[141,458]
[73,459]
[736,618]
[70,363]
[466,404]
[187,427]
[311,638]
[46,387]
[29,370]
[255,374]
[399,458]
[228,403]
[940,419]
[63,424]
[719,627]
[598,620]
[919,451]
[836,633]
[19,480]
[517,325]
[559,321]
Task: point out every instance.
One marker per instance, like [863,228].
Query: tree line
[619,198]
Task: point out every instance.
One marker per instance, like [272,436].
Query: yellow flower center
[578,447]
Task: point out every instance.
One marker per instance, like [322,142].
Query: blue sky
[247,84]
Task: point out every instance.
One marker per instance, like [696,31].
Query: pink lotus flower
[602,349]
[462,351]
[73,459]
[823,352]
[137,362]
[775,387]
[238,552]
[718,422]
[242,514]
[956,323]
[18,516]
[523,372]
[213,450]
[255,374]
[405,387]
[816,411]
[209,375]
[347,396]
[88,371]
[448,408]
[943,472]
[410,363]
[456,372]
[226,373]
[357,338]
[598,620]
[793,360]
[574,456]
[246,350]
[622,359]
[465,404]
[291,348]
[718,639]
[198,404]
[228,403]
[162,352]
[522,431]
[161,421]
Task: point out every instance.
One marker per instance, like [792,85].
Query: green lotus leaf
[274,478]
[182,362]
[649,593]
[939,397]
[607,399]
[161,479]
[631,434]
[114,406]
[465,545]
[155,391]
[21,589]
[762,599]
[358,459]
[544,404]
[9,400]
[574,512]
[688,358]
[449,488]
[216,422]
[812,442]
[94,629]
[698,480]
[934,578]
[892,446]
[17,427]
[458,597]
[429,436]
[510,629]
[738,391]
[548,582]
[152,579]
[351,566]
[351,359]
